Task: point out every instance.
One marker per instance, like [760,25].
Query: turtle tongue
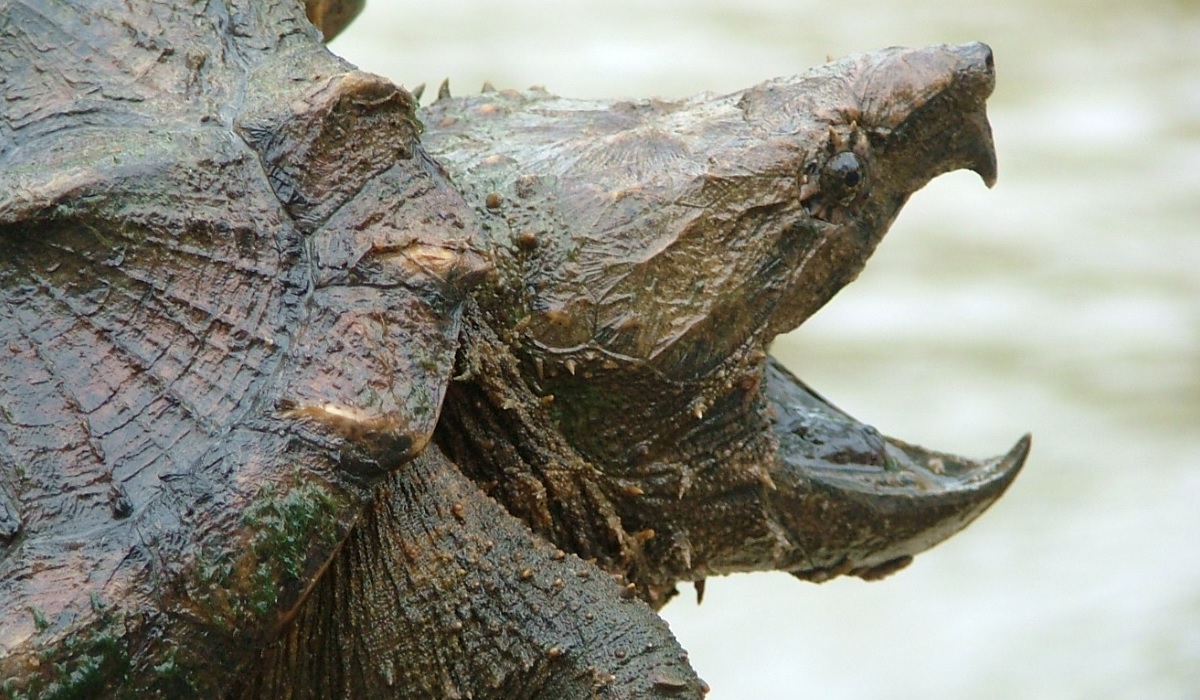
[856,502]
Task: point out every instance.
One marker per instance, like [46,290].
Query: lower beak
[856,502]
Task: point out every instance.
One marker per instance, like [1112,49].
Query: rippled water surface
[1065,302]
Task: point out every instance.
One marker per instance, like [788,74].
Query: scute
[176,337]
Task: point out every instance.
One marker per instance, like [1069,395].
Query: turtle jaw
[853,501]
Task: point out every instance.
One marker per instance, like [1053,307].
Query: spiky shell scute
[218,333]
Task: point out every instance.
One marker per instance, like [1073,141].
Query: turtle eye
[842,177]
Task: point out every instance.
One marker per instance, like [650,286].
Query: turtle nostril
[978,53]
[979,50]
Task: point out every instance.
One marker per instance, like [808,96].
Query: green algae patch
[288,528]
[291,532]
[87,664]
[98,660]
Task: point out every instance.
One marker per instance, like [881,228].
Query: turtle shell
[230,282]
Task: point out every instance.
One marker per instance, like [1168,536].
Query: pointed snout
[928,107]
[976,74]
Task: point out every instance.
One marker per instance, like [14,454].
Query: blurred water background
[1065,302]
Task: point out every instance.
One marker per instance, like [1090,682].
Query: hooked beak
[933,109]
[980,152]
[856,502]
[977,147]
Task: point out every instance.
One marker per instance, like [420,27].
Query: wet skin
[648,252]
[272,384]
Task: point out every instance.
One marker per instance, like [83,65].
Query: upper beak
[931,106]
[980,151]
[977,69]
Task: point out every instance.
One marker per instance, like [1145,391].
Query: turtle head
[717,223]
[838,151]
[677,236]
[649,252]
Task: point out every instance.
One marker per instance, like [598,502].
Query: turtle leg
[439,592]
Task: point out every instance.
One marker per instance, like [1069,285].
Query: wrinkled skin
[236,289]
[647,253]
[614,392]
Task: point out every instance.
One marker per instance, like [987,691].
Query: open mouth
[852,500]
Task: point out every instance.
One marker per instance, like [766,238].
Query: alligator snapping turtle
[286,413]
